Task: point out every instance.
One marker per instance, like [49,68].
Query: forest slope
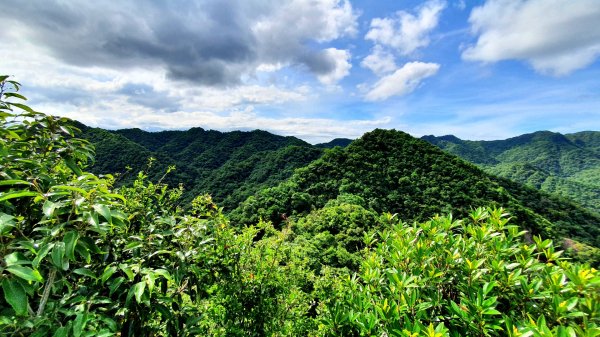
[228,165]
[391,171]
[566,165]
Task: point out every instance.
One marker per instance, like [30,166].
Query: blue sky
[315,69]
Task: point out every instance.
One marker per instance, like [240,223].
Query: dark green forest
[230,166]
[565,165]
[389,236]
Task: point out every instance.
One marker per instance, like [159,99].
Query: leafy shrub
[80,259]
[471,277]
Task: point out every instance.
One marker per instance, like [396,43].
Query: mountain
[228,165]
[384,171]
[342,142]
[567,165]
[391,171]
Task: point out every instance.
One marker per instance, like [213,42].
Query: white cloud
[379,61]
[556,37]
[342,66]
[402,81]
[321,20]
[407,32]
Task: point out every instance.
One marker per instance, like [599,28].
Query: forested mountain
[343,142]
[230,166]
[387,171]
[567,165]
[83,258]
[390,171]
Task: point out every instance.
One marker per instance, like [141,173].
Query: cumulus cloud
[407,32]
[556,37]
[402,81]
[207,42]
[379,61]
[341,66]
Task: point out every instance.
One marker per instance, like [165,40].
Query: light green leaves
[25,273]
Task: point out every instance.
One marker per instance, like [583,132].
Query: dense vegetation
[390,171]
[82,258]
[566,165]
[230,166]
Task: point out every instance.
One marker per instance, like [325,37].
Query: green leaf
[69,188]
[14,94]
[48,208]
[79,324]
[139,290]
[127,270]
[84,272]
[58,256]
[23,107]
[83,250]
[13,182]
[26,273]
[104,211]
[133,245]
[162,272]
[117,196]
[17,194]
[108,271]
[115,284]
[15,258]
[41,254]
[70,162]
[61,332]
[6,223]
[491,311]
[70,240]
[15,296]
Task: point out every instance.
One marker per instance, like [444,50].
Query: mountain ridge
[391,171]
[567,165]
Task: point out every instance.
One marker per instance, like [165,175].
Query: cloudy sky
[315,69]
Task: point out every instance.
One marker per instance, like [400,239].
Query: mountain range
[566,165]
[257,175]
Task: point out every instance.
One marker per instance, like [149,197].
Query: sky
[314,69]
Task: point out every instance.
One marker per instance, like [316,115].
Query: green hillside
[83,258]
[230,166]
[566,165]
[390,171]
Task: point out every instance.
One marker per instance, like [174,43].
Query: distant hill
[390,171]
[567,165]
[228,165]
[342,142]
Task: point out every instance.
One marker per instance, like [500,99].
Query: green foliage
[394,172]
[565,165]
[229,166]
[471,277]
[80,259]
[54,222]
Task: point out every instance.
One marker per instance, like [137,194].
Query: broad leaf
[26,273]
[15,296]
